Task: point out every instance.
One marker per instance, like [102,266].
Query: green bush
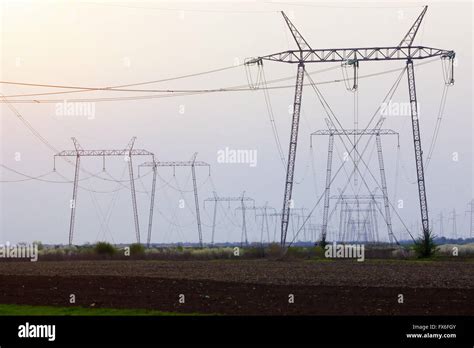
[137,249]
[104,248]
[425,246]
[253,252]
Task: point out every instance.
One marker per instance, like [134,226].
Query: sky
[115,43]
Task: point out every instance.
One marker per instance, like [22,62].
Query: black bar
[349,330]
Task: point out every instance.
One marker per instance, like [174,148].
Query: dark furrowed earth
[244,287]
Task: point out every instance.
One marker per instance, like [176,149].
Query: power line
[120,88]
[437,126]
[189,92]
[271,116]
[85,88]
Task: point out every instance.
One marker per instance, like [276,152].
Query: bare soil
[242,287]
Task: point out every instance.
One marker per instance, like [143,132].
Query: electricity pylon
[471,220]
[313,230]
[441,224]
[404,51]
[264,216]
[453,218]
[79,152]
[242,199]
[377,132]
[347,201]
[358,224]
[291,215]
[193,164]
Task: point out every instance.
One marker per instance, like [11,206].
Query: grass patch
[19,310]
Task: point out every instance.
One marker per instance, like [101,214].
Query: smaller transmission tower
[128,153]
[453,219]
[264,214]
[352,204]
[193,164]
[471,220]
[360,224]
[441,223]
[242,199]
[377,132]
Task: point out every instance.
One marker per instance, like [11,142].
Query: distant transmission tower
[471,220]
[453,218]
[242,199]
[350,204]
[441,223]
[193,164]
[377,132]
[264,214]
[128,153]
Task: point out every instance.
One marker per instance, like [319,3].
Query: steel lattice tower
[242,199]
[404,51]
[193,164]
[129,152]
[471,220]
[377,132]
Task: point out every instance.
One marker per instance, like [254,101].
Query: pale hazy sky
[99,44]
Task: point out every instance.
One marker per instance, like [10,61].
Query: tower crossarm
[358,202]
[358,210]
[175,164]
[258,208]
[101,153]
[357,197]
[372,131]
[228,199]
[279,214]
[332,55]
